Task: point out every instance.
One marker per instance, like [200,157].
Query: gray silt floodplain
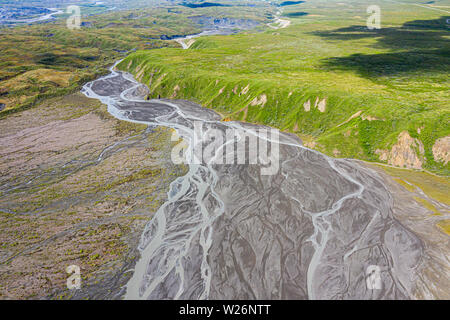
[311,230]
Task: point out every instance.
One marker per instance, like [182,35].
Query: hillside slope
[377,95]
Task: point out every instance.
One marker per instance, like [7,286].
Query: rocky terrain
[77,188]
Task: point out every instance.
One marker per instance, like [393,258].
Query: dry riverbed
[76,188]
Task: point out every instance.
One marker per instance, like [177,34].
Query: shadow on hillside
[290,3]
[63,60]
[204,5]
[295,14]
[418,45]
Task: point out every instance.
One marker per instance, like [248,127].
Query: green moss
[432,185]
[445,226]
[406,185]
[141,174]
[428,205]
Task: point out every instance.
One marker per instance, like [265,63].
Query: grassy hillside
[346,90]
[45,60]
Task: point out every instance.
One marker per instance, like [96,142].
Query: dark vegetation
[204,5]
[290,3]
[420,46]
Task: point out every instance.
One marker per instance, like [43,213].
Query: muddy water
[311,230]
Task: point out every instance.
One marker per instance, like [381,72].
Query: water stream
[309,230]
